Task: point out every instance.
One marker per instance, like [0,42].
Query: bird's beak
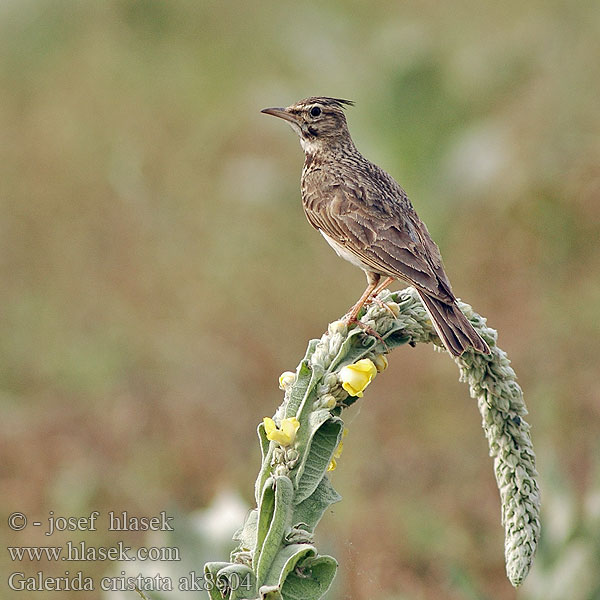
[281,113]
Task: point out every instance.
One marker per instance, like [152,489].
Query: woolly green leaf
[311,580]
[309,423]
[246,535]
[211,570]
[279,513]
[287,558]
[236,582]
[264,441]
[266,507]
[316,458]
[265,470]
[310,510]
[396,337]
[352,343]
[303,384]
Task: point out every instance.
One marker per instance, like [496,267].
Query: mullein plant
[276,557]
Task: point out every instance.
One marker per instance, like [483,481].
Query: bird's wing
[386,236]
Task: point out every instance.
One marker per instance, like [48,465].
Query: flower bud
[394,308]
[337,327]
[381,362]
[328,401]
[286,379]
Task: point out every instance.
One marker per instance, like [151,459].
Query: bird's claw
[380,303]
[349,321]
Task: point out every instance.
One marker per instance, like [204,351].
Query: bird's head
[319,121]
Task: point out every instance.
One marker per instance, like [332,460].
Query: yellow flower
[338,452]
[355,378]
[381,362]
[286,379]
[286,434]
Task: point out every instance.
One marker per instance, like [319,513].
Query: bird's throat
[310,146]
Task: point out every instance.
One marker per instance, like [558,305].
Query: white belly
[345,254]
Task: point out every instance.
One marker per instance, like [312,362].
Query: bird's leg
[379,288]
[382,285]
[352,315]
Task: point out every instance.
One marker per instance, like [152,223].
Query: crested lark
[368,219]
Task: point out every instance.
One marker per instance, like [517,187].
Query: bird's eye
[315,111]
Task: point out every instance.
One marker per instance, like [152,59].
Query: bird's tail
[452,326]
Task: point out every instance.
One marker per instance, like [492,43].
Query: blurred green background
[157,273]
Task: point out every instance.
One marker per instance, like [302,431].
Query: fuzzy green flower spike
[276,558]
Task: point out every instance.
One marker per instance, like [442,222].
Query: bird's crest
[337,102]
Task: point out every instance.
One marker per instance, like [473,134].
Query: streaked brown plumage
[368,219]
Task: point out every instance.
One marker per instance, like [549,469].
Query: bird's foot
[375,300]
[350,320]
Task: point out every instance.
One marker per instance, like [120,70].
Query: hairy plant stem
[276,556]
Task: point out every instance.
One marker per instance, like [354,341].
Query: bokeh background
[157,273]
